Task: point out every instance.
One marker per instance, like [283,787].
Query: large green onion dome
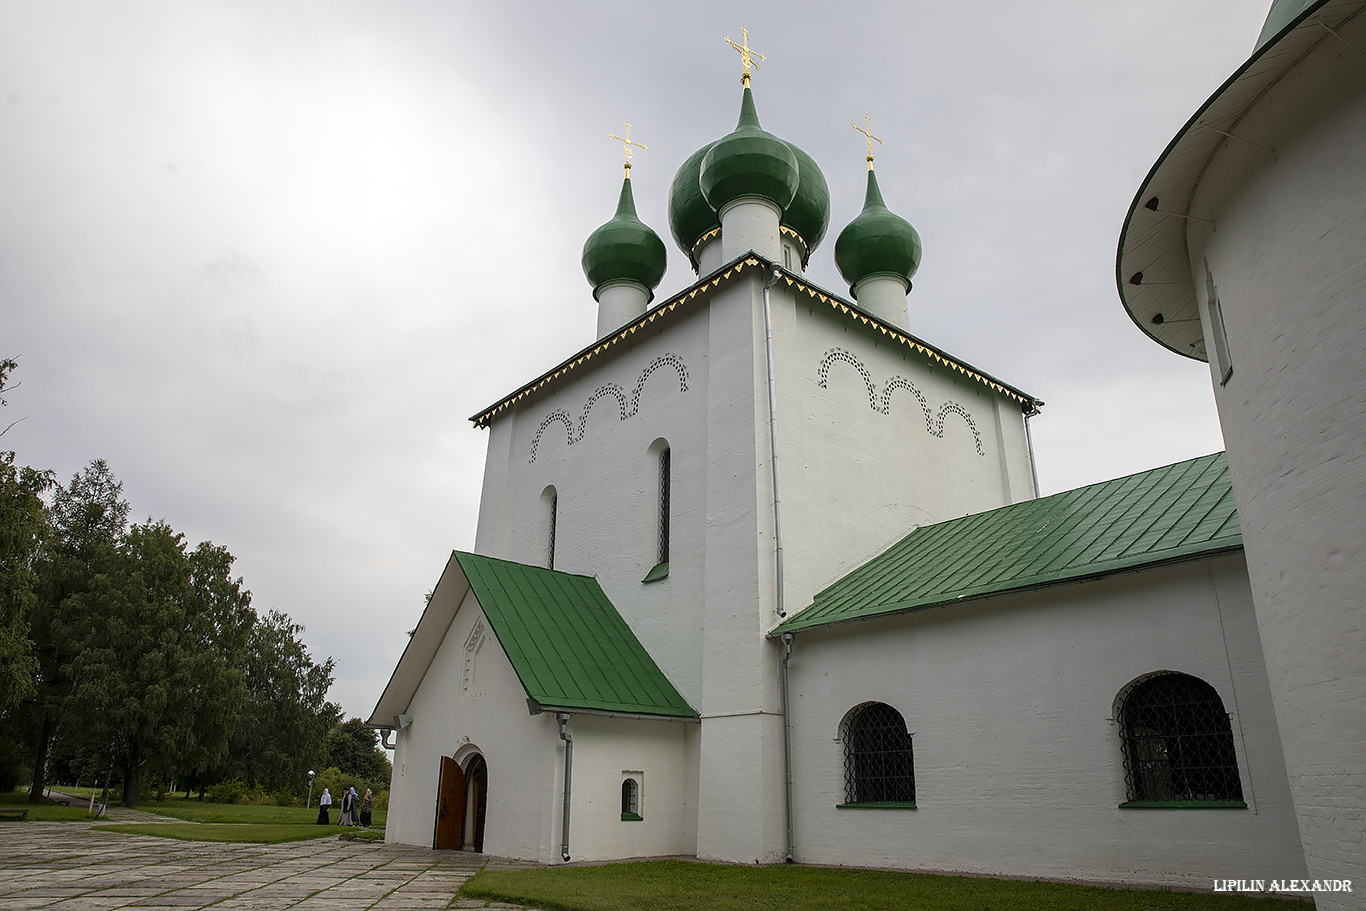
[749,162]
[690,218]
[624,249]
[809,214]
[877,242]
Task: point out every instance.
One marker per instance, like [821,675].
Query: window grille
[630,797]
[554,515]
[878,763]
[1177,741]
[664,484]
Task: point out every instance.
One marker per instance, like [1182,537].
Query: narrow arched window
[879,767]
[665,485]
[1177,742]
[550,507]
[630,800]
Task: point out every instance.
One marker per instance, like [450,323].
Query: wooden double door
[461,804]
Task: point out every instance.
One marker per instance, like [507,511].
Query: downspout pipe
[787,745]
[773,438]
[1029,438]
[384,738]
[568,739]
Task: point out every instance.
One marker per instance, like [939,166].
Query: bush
[234,790]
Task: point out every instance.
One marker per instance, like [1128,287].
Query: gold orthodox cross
[626,145]
[747,55]
[865,131]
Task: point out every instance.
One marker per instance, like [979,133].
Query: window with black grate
[1177,741]
[664,485]
[554,516]
[878,764]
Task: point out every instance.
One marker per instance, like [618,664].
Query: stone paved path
[58,866]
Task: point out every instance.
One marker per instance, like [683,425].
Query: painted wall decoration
[882,402]
[626,407]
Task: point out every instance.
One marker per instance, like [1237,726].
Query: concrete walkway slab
[60,866]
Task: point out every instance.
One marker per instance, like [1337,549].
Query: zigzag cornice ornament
[882,402]
[626,408]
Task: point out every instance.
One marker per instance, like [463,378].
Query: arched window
[878,764]
[550,506]
[1177,742]
[665,484]
[630,800]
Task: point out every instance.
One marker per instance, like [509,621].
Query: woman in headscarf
[324,804]
[367,806]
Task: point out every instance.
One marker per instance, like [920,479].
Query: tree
[159,639]
[352,748]
[280,731]
[22,516]
[86,521]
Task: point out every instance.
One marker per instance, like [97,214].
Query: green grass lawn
[261,814]
[670,885]
[46,811]
[239,833]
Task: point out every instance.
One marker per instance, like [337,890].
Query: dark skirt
[365,818]
[322,814]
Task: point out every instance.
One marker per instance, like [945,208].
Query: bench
[19,812]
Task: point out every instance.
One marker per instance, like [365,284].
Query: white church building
[759,575]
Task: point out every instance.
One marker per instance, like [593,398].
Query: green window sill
[878,805]
[632,817]
[661,571]
[1183,805]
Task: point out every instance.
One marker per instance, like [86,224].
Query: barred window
[664,485]
[878,763]
[1177,742]
[630,800]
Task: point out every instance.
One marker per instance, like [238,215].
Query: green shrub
[234,790]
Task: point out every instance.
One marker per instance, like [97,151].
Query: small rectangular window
[554,515]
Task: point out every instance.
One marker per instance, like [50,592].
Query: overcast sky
[266,258]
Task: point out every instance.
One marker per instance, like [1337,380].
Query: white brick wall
[1288,263]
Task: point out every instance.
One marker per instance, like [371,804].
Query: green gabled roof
[567,643]
[1173,513]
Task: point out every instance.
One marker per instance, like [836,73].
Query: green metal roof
[1173,513]
[567,643]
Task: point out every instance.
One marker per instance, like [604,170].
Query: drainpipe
[787,744]
[773,436]
[384,738]
[1029,438]
[568,773]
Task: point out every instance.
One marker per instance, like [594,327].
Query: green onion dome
[624,249]
[809,214]
[749,162]
[690,218]
[877,242]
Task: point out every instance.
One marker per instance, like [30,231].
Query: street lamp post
[308,803]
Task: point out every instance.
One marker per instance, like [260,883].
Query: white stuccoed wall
[1018,766]
[854,481]
[1288,264]
[521,750]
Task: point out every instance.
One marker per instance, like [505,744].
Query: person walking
[324,804]
[345,818]
[367,806]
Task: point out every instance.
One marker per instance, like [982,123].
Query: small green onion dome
[689,215]
[877,242]
[809,213]
[749,162]
[624,249]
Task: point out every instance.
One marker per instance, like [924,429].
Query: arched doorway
[476,778]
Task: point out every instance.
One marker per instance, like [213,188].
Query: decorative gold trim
[485,417]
